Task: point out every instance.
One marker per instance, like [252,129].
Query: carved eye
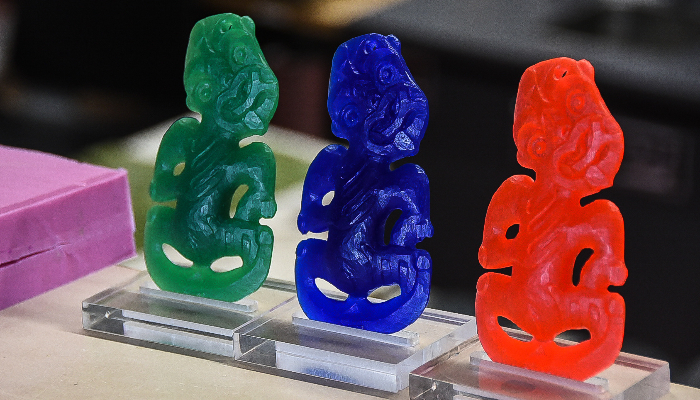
[577,102]
[350,115]
[369,46]
[204,92]
[239,54]
[538,146]
[386,73]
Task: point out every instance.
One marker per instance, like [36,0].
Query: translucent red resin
[565,133]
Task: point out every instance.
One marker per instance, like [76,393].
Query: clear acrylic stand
[138,310]
[465,372]
[285,340]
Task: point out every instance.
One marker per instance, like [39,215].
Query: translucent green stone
[200,165]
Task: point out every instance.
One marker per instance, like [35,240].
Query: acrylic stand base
[139,311]
[465,372]
[286,340]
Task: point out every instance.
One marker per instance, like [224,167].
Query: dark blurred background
[77,72]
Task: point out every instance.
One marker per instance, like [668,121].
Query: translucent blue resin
[376,105]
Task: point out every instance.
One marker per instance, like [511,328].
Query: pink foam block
[59,220]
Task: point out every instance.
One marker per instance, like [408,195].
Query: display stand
[286,340]
[140,311]
[465,372]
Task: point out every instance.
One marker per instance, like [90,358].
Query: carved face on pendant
[227,77]
[563,129]
[373,100]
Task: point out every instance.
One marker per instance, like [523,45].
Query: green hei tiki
[229,83]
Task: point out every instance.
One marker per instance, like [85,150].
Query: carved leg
[310,264]
[412,272]
[356,311]
[604,317]
[166,274]
[493,299]
[254,166]
[252,243]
